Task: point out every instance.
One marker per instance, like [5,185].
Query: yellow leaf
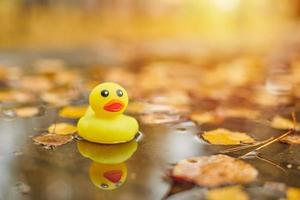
[279,122]
[226,137]
[62,128]
[73,112]
[230,192]
[293,193]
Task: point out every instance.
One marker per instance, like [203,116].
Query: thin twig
[294,120]
[270,162]
[246,146]
[268,143]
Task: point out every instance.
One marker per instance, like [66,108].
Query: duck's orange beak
[114,106]
[114,175]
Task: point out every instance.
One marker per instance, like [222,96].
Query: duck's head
[108,99]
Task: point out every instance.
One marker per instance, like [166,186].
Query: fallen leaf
[171,97]
[238,113]
[293,193]
[16,96]
[264,98]
[62,129]
[73,112]
[222,136]
[55,99]
[52,140]
[213,171]
[35,83]
[291,139]
[140,107]
[159,118]
[203,118]
[229,192]
[282,123]
[27,111]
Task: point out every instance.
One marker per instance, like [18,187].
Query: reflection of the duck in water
[108,170]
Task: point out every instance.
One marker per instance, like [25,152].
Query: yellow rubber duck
[104,121]
[108,170]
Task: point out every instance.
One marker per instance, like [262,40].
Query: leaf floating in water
[293,193]
[35,83]
[203,118]
[26,111]
[140,107]
[238,113]
[226,137]
[291,139]
[52,140]
[73,112]
[213,171]
[55,99]
[229,192]
[62,129]
[160,118]
[282,123]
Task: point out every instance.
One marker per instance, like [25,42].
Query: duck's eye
[104,93]
[119,93]
[104,185]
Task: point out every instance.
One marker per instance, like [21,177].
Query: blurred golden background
[66,24]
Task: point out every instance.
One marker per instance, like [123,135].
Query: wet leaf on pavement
[213,171]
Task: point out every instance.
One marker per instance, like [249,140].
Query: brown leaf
[52,140]
[62,129]
[213,171]
[222,136]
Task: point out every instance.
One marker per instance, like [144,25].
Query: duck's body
[104,121]
[118,129]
